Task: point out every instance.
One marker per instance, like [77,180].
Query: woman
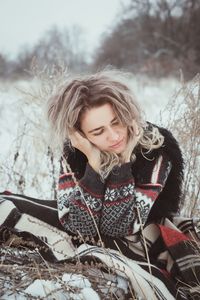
[119,160]
[120,185]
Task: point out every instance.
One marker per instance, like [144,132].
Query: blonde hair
[65,108]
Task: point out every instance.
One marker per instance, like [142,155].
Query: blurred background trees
[55,48]
[156,38]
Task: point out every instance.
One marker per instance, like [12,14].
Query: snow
[8,119]
[122,284]
[153,95]
[76,280]
[76,288]
[89,293]
[42,288]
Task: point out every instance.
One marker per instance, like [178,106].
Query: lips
[117,145]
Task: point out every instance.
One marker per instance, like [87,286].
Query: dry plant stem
[30,272]
[130,287]
[53,172]
[184,122]
[145,247]
[76,183]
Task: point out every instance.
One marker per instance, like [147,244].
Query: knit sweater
[126,199]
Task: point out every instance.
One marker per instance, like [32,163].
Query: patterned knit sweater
[118,206]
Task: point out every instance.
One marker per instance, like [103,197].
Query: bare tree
[55,48]
[3,66]
[156,37]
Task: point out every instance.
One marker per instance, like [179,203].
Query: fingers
[77,139]
[81,143]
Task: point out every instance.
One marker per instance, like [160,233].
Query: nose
[113,135]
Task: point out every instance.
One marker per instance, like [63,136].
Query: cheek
[98,141]
[95,140]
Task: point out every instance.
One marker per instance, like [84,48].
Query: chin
[118,152]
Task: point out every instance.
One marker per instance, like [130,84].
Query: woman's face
[103,129]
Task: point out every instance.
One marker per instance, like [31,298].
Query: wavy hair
[66,107]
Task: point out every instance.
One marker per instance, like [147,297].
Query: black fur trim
[168,201]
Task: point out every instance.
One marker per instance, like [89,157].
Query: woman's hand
[84,145]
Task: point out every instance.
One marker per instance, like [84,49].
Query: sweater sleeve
[127,203]
[80,202]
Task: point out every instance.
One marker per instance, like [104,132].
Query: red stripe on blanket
[166,273]
[172,236]
[6,193]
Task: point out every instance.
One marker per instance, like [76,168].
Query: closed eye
[98,132]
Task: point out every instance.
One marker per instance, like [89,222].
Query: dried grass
[183,119]
[21,266]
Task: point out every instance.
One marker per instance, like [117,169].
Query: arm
[79,204]
[125,198]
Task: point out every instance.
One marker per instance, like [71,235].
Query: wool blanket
[161,262]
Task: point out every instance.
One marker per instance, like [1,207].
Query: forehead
[97,117]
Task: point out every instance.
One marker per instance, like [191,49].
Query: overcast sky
[23,22]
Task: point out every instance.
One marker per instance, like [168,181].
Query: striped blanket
[162,262]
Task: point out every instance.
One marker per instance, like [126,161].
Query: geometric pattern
[111,207]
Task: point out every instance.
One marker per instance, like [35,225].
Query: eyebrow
[98,128]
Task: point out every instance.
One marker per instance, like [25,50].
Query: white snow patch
[76,280]
[42,288]
[54,290]
[90,294]
[122,283]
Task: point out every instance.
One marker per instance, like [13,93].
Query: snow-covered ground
[70,287]
[154,94]
[49,289]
